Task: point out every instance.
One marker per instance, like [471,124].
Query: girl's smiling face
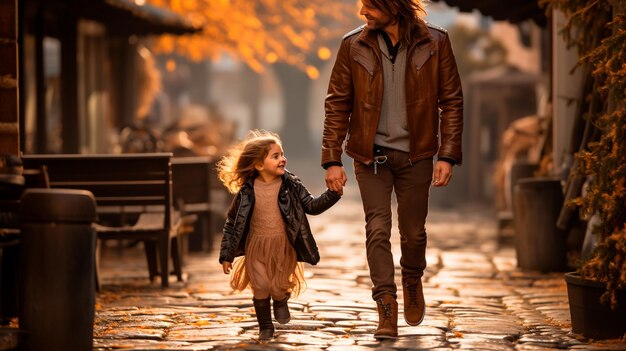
[273,165]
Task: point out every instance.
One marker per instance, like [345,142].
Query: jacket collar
[249,183]
[370,36]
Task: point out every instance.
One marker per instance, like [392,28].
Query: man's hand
[227,266]
[442,174]
[336,178]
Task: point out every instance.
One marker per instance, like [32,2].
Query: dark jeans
[411,183]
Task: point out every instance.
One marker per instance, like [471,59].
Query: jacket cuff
[335,195]
[446,159]
[332,163]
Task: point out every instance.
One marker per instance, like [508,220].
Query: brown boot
[414,305]
[387,318]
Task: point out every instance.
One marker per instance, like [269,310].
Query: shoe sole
[266,338]
[385,337]
[283,321]
[414,324]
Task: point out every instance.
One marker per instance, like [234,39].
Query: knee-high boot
[263,310]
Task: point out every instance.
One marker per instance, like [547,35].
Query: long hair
[238,165]
[406,13]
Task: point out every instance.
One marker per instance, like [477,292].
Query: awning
[514,11]
[126,17]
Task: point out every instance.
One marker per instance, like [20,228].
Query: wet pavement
[476,297]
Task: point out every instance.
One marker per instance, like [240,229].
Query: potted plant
[598,29]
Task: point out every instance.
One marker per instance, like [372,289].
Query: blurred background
[544,111]
[191,77]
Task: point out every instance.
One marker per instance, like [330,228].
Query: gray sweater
[392,131]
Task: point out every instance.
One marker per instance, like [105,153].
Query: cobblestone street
[476,298]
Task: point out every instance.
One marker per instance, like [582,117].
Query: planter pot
[590,317]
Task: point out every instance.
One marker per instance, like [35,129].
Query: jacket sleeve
[314,205]
[338,106]
[450,103]
[226,250]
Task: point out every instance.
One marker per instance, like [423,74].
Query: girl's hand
[227,266]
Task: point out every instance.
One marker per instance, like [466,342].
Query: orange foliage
[259,32]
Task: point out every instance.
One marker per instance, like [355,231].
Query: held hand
[442,174]
[336,178]
[227,266]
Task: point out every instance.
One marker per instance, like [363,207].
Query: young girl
[266,222]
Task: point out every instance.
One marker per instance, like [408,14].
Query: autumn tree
[293,35]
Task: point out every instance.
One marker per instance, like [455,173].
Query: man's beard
[380,23]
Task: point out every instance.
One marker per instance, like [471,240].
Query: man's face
[376,19]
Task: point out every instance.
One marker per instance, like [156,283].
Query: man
[394,102]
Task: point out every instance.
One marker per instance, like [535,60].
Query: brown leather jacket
[434,99]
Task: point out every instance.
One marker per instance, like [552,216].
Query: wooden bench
[123,185]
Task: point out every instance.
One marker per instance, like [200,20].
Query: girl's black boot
[263,310]
[281,310]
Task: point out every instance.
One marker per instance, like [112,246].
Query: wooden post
[9,97]
[70,132]
[566,93]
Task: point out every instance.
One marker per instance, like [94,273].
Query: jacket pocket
[369,115]
[422,55]
[366,63]
[369,108]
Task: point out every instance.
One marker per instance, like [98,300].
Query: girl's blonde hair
[238,165]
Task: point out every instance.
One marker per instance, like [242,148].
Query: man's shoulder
[355,31]
[436,27]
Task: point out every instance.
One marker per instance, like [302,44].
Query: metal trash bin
[539,244]
[57,291]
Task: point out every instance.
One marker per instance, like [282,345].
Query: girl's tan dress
[270,265]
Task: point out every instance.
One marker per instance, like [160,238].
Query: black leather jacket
[294,202]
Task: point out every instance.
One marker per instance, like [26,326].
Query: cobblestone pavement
[476,298]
